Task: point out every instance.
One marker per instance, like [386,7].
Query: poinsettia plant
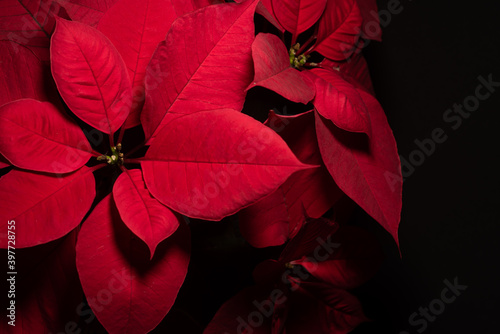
[122,122]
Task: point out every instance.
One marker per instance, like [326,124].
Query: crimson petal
[370,171]
[35,135]
[211,164]
[90,75]
[143,214]
[45,207]
[273,70]
[201,66]
[127,292]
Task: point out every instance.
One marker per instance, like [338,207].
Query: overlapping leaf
[201,65]
[273,70]
[24,75]
[135,28]
[143,214]
[30,23]
[279,216]
[338,101]
[35,135]
[200,163]
[127,292]
[296,16]
[86,11]
[339,29]
[45,207]
[370,171]
[90,75]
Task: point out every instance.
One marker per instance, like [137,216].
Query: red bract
[31,199]
[29,23]
[144,215]
[183,170]
[23,75]
[127,292]
[86,11]
[135,28]
[90,75]
[273,70]
[296,16]
[338,101]
[339,29]
[370,173]
[51,142]
[188,72]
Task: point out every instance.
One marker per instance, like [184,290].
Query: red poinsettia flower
[305,290]
[137,123]
[353,139]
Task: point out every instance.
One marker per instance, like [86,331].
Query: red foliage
[119,117]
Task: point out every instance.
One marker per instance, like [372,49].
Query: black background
[431,57]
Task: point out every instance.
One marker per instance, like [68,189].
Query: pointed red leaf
[127,292]
[211,164]
[296,16]
[369,172]
[279,216]
[90,75]
[23,75]
[265,9]
[28,22]
[201,66]
[339,101]
[319,308]
[35,135]
[143,214]
[135,28]
[273,70]
[235,315]
[45,207]
[356,259]
[339,29]
[47,289]
[86,11]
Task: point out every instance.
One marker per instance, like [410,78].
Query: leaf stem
[111,140]
[97,167]
[95,153]
[122,131]
[132,161]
